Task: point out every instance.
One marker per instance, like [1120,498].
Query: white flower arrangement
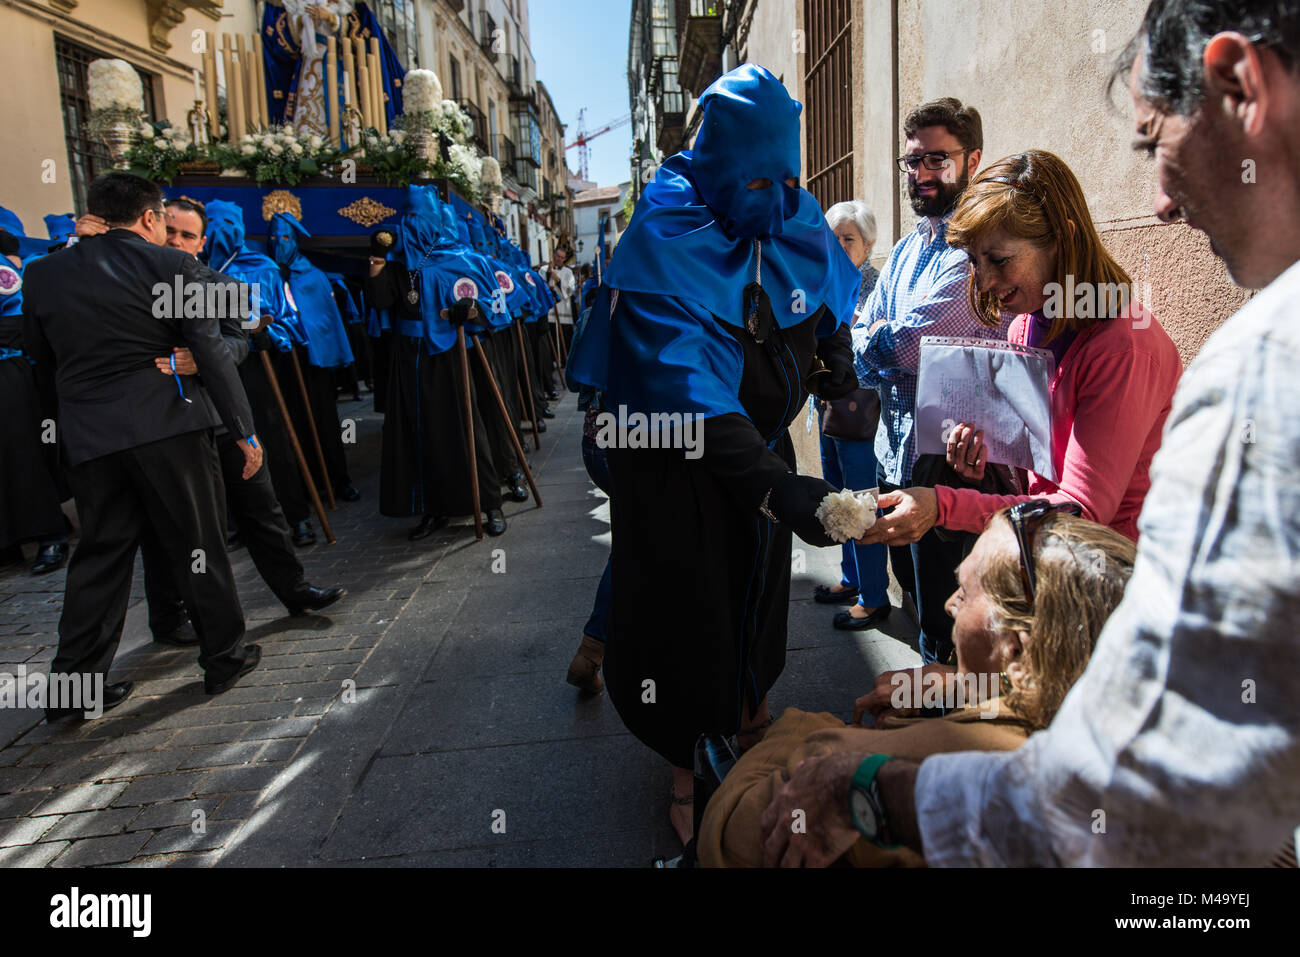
[114,85]
[847,515]
[248,149]
[421,91]
[296,148]
[276,149]
[467,161]
[490,175]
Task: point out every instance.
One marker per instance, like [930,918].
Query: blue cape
[689,252]
[228,255]
[28,246]
[319,324]
[448,271]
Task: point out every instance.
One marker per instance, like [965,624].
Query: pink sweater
[1110,397]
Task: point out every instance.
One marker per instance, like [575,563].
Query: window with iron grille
[828,99]
[87,157]
[455,79]
[397,18]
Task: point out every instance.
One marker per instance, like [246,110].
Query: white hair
[856,212]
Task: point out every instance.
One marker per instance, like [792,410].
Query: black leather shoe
[114,695]
[251,662]
[541,426]
[305,597]
[553,396]
[182,636]
[547,413]
[50,558]
[304,534]
[846,622]
[518,487]
[348,493]
[428,525]
[496,523]
[823,595]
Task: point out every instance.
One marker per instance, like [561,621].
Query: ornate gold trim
[366,211]
[281,201]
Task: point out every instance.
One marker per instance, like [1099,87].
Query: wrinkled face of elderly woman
[980,648]
[850,238]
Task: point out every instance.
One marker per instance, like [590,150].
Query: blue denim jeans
[593,457]
[851,464]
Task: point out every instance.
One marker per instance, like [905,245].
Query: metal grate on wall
[828,99]
[86,156]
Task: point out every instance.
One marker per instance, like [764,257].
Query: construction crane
[584,151]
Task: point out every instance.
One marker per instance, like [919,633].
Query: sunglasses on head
[1025,518]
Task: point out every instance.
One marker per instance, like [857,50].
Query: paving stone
[32,855]
[210,734]
[252,778]
[220,755]
[287,728]
[24,830]
[163,787]
[98,851]
[21,803]
[91,824]
[71,800]
[175,839]
[175,813]
[236,806]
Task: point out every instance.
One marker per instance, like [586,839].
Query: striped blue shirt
[922,291]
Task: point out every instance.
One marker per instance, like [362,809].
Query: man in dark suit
[139,446]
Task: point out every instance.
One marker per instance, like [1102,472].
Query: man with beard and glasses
[922,291]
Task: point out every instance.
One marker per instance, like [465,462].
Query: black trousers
[933,559]
[261,525]
[272,429]
[171,488]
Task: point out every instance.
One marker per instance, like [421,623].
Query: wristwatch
[866,808]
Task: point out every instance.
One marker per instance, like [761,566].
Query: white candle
[198,94]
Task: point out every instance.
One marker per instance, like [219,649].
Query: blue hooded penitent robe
[425,465]
[228,255]
[668,335]
[319,326]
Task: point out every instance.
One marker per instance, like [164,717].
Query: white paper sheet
[999,387]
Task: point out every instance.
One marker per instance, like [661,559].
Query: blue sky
[580,47]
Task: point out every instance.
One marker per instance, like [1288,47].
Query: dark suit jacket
[95,317]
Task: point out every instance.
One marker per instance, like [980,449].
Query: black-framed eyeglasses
[1024,518]
[935,161]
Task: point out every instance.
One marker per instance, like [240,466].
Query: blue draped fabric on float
[339,217]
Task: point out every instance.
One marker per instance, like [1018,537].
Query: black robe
[30,490]
[425,462]
[700,578]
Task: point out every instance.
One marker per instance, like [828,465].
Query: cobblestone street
[390,728]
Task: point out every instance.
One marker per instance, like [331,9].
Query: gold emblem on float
[281,201]
[366,211]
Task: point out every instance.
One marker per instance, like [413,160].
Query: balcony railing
[525,173]
[506,153]
[481,135]
[700,51]
[488,35]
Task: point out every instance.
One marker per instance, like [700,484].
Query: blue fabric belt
[409,327]
[11,353]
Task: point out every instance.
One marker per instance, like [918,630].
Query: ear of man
[1235,78]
